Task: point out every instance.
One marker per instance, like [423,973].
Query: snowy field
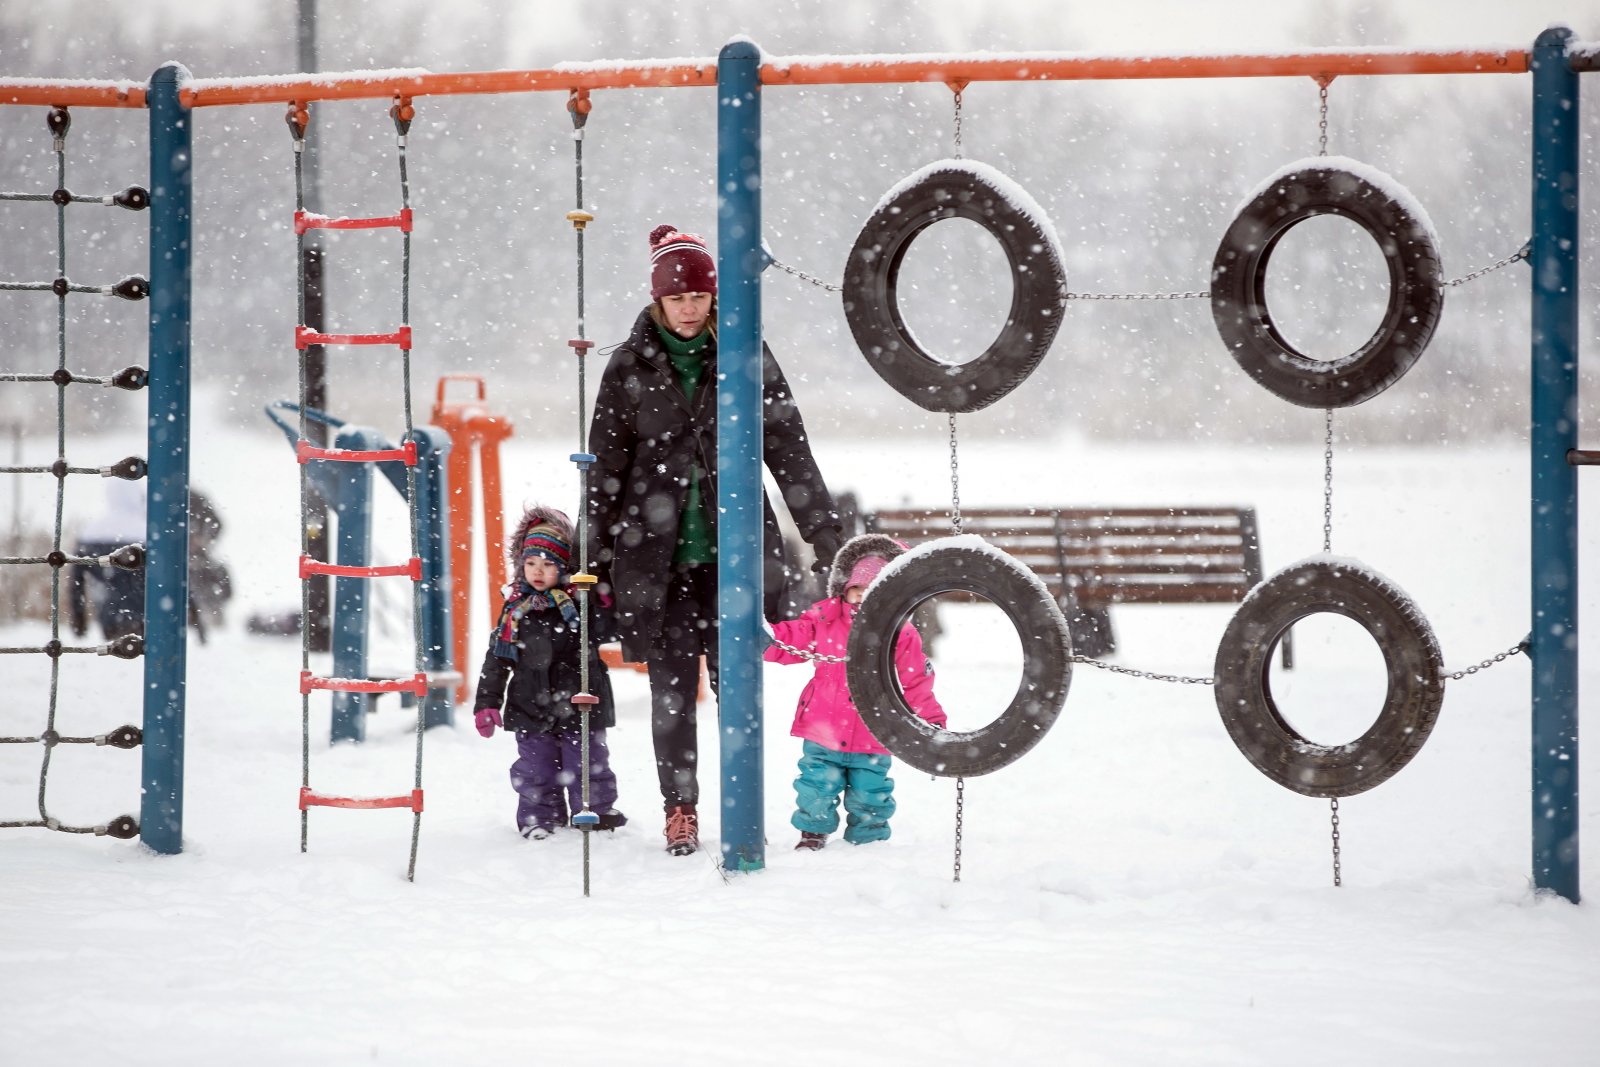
[1132,892]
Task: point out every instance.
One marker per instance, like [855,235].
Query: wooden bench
[1093,557]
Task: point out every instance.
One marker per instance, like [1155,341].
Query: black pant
[689,631]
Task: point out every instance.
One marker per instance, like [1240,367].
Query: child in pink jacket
[839,753]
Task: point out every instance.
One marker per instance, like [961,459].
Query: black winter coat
[648,438]
[546,675]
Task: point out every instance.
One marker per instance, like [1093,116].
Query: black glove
[825,542]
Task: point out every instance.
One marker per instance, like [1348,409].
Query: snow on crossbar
[305,451]
[305,337]
[310,798]
[310,220]
[416,684]
[411,568]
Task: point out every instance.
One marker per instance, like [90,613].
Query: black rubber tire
[1238,288]
[1410,654]
[939,567]
[871,277]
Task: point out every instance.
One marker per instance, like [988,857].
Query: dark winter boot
[683,830]
[811,842]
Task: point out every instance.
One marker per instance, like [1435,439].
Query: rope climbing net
[127,558]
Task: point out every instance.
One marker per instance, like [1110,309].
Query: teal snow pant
[868,793]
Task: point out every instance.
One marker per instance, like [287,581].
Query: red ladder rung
[305,451]
[411,568]
[304,337]
[310,798]
[310,220]
[416,684]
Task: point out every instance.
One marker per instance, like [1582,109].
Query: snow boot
[811,842]
[683,830]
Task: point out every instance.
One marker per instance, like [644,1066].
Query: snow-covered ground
[1132,891]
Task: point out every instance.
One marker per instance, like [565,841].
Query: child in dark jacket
[839,753]
[536,645]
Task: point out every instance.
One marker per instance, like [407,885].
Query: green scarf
[696,544]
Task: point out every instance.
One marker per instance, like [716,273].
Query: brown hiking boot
[810,841]
[683,830]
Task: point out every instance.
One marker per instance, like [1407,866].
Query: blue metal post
[166,589]
[352,508]
[1553,433]
[739,513]
[433,542]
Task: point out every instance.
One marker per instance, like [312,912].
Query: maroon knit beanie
[680,263]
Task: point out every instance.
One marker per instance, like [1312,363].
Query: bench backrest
[1110,554]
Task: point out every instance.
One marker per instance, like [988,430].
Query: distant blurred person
[117,595]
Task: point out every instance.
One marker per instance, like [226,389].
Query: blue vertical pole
[739,512]
[352,508]
[166,596]
[1554,431]
[433,541]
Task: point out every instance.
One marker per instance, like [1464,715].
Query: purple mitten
[487,719]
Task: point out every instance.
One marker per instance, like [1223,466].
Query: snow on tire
[959,564]
[1411,658]
[1372,200]
[952,189]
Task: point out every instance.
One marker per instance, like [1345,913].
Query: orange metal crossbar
[411,568]
[1044,67]
[311,798]
[72,94]
[417,684]
[357,87]
[955,68]
[305,451]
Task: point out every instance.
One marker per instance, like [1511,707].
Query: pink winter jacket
[826,714]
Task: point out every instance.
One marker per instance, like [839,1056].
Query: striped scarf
[524,600]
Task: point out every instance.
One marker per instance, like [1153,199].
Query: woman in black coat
[652,501]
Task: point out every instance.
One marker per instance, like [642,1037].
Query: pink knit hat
[865,570]
[680,263]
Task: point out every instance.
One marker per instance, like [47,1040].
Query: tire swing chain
[1327,484]
[1333,807]
[955,526]
[1323,80]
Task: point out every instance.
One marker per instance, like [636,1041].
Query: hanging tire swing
[959,564]
[1376,203]
[1410,654]
[952,189]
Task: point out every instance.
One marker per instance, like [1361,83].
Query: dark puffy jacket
[546,675]
[648,438]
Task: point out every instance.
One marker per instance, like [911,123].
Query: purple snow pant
[547,781]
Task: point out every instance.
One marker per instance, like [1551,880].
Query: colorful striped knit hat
[547,540]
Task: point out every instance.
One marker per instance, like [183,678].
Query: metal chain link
[803,276]
[961,800]
[1501,657]
[1338,877]
[1520,254]
[1327,485]
[1322,116]
[805,653]
[1150,675]
[1190,295]
[958,123]
[955,481]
